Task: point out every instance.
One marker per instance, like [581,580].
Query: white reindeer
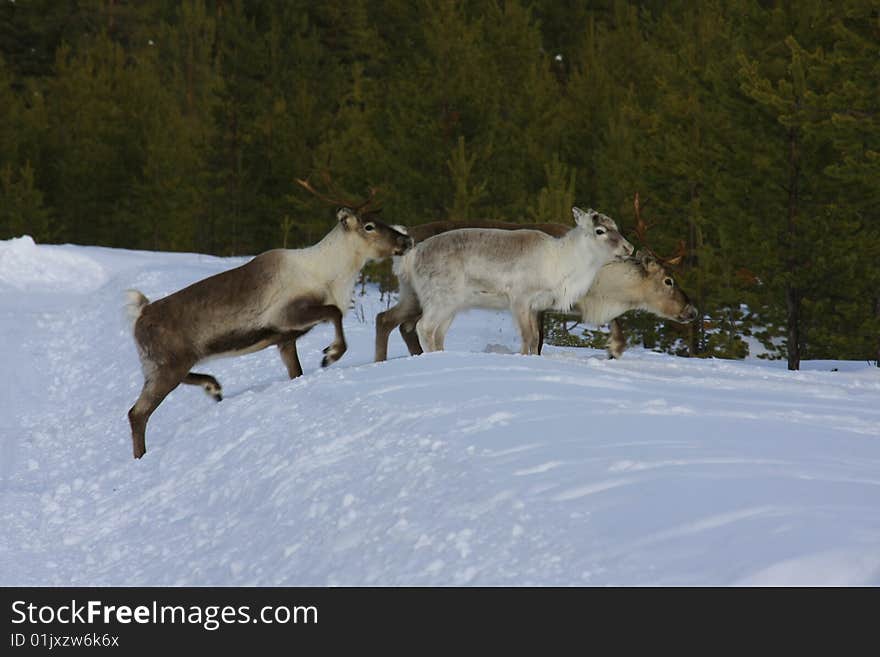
[526,271]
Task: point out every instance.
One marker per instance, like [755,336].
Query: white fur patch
[134,304]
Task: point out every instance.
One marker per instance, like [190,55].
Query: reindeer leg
[407,310]
[426,328]
[541,318]
[155,389]
[302,315]
[617,341]
[440,332]
[385,323]
[527,319]
[334,351]
[535,326]
[411,337]
[211,385]
[298,318]
[290,357]
[402,313]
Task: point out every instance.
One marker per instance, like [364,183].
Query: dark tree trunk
[793,305]
[792,293]
[696,330]
[877,314]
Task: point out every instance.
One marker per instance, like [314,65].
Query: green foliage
[21,204]
[750,130]
[565,331]
[467,193]
[556,198]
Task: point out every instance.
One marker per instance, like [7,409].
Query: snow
[26,267]
[471,467]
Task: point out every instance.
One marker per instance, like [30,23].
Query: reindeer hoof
[333,353]
[213,390]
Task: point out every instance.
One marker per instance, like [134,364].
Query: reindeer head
[660,293]
[603,230]
[380,239]
[662,296]
[360,220]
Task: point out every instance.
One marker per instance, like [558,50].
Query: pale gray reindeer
[526,271]
[272,300]
[640,282]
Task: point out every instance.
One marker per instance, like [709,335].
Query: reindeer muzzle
[624,249]
[689,314]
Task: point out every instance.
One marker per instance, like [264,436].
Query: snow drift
[464,467]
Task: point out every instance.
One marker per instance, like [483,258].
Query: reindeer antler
[641,233]
[361,207]
[641,228]
[679,255]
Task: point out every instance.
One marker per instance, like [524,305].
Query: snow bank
[464,467]
[25,266]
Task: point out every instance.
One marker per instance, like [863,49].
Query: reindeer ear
[347,218]
[584,218]
[646,257]
[649,262]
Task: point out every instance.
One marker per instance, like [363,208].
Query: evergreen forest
[750,130]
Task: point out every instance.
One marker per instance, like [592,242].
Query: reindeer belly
[485,290]
[483,298]
[241,342]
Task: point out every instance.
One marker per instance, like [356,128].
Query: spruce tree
[785,88]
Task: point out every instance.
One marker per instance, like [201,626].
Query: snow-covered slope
[472,466]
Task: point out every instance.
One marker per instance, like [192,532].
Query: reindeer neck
[340,255]
[340,250]
[574,256]
[574,267]
[620,280]
[615,291]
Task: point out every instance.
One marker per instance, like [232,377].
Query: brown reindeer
[272,300]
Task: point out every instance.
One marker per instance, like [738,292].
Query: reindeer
[273,299]
[640,282]
[526,271]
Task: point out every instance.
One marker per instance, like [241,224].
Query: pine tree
[688,148]
[556,198]
[844,321]
[467,192]
[795,152]
[21,204]
[89,145]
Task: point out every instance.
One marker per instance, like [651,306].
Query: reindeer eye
[668,281]
[369,227]
[600,231]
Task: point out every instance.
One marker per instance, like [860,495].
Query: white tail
[134,304]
